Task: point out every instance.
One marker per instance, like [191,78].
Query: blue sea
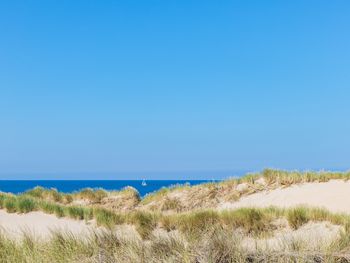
[67,186]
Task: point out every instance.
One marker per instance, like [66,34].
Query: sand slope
[39,224]
[333,195]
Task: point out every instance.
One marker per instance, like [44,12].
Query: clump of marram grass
[107,218]
[10,204]
[25,204]
[76,212]
[37,192]
[196,223]
[301,215]
[171,204]
[161,193]
[49,207]
[297,217]
[92,195]
[251,220]
[51,194]
[145,222]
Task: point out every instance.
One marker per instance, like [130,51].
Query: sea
[68,186]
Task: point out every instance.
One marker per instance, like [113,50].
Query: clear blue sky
[167,86]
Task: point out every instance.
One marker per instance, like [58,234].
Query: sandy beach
[40,224]
[333,195]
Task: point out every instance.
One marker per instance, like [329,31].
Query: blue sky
[173,87]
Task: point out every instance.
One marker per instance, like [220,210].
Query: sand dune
[39,224]
[333,195]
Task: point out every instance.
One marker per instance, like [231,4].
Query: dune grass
[215,246]
[198,235]
[206,195]
[25,204]
[253,221]
[107,218]
[205,235]
[227,190]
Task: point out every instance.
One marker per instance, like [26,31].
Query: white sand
[333,195]
[40,224]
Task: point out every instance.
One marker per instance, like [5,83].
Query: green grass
[59,211]
[25,204]
[297,217]
[251,220]
[145,222]
[162,201]
[92,195]
[10,204]
[45,194]
[202,235]
[107,218]
[215,246]
[76,212]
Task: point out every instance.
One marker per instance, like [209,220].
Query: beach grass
[205,235]
[253,221]
[215,246]
[181,198]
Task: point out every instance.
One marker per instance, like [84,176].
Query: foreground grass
[215,246]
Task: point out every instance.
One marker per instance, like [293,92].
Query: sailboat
[144,183]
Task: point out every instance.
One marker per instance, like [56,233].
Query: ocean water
[67,186]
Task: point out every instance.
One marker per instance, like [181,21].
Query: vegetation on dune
[297,217]
[208,195]
[182,198]
[190,233]
[107,218]
[216,246]
[253,221]
[25,204]
[190,216]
